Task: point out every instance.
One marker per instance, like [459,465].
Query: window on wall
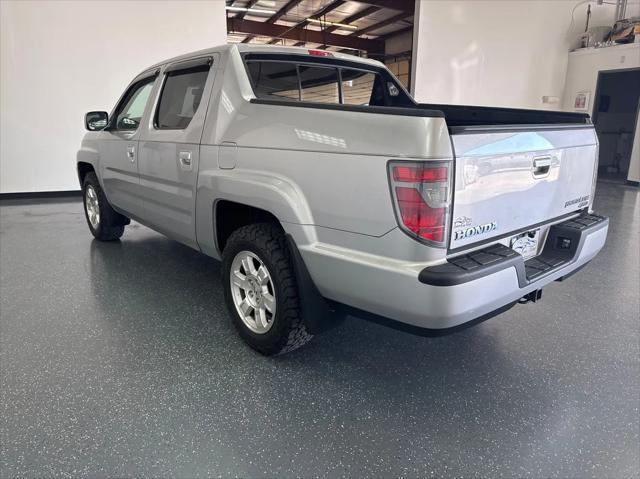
[180,98]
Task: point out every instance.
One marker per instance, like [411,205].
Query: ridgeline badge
[581,202]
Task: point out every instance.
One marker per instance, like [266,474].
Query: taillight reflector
[420,192]
[428,223]
[415,174]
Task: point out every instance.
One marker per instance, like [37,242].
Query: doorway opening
[615,117]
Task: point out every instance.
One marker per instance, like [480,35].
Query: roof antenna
[586,27]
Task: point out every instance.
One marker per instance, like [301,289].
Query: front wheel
[105,223]
[260,289]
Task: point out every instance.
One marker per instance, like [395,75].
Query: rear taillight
[421,197]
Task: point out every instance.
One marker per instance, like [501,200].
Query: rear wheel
[104,222]
[261,291]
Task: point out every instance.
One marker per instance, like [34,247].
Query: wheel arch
[83,168]
[269,198]
[230,215]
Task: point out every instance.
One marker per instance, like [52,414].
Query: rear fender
[276,194]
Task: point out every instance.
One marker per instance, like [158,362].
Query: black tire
[111,224]
[268,243]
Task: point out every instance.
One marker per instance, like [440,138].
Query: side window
[357,87]
[277,80]
[319,84]
[180,97]
[313,82]
[288,81]
[132,108]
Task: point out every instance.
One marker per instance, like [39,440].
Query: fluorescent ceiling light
[250,10]
[332,24]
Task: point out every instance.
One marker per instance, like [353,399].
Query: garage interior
[379,30]
[119,359]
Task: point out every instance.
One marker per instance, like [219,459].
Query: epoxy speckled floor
[119,360]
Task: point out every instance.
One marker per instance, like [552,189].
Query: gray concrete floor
[119,360]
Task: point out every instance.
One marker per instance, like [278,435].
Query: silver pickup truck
[326,190]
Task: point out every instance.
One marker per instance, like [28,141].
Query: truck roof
[244,48]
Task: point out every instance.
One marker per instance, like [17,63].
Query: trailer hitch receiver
[532,297]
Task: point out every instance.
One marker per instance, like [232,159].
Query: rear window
[275,80]
[319,84]
[357,86]
[324,84]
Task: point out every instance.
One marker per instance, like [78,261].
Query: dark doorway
[615,116]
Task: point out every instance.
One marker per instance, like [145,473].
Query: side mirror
[96,120]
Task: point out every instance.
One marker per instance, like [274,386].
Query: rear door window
[180,97]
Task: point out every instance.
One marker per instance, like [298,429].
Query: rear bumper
[563,247]
[449,295]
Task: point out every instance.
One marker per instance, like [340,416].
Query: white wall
[584,65]
[496,52]
[582,76]
[60,59]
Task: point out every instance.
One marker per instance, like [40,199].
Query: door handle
[185,158]
[541,166]
[131,153]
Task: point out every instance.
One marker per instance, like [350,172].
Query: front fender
[88,153]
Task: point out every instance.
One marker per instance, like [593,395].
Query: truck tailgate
[511,178]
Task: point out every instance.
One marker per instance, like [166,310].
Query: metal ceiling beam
[320,13]
[407,6]
[352,18]
[305,35]
[251,4]
[317,14]
[327,9]
[332,6]
[386,36]
[290,5]
[384,23]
